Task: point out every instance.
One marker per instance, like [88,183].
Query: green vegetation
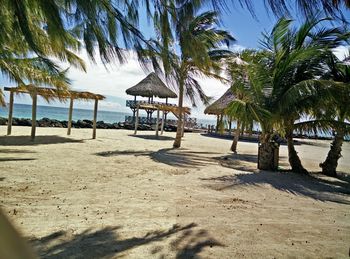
[285,81]
[293,75]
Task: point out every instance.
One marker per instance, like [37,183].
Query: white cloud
[341,52]
[114,80]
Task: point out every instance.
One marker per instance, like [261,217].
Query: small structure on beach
[218,107]
[150,87]
[49,94]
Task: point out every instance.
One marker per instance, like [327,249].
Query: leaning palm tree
[339,73]
[188,47]
[237,70]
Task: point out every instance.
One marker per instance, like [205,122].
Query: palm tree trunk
[177,142]
[236,137]
[267,154]
[329,166]
[293,157]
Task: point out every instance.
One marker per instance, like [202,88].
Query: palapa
[151,86]
[218,107]
[49,93]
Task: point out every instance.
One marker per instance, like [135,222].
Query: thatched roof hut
[151,86]
[218,107]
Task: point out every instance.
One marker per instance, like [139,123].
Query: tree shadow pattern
[106,243]
[244,162]
[39,140]
[312,186]
[174,157]
[153,137]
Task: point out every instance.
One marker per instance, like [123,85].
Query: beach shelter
[218,107]
[151,86]
[49,94]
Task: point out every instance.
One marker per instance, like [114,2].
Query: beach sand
[136,197]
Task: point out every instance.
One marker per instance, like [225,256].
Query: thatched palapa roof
[52,93]
[151,86]
[220,104]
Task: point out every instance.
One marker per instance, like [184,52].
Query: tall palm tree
[188,47]
[237,70]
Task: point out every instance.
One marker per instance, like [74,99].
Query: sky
[113,81]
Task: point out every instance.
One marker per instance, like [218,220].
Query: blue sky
[113,83]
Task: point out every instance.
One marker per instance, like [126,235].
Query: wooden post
[9,122]
[134,111]
[70,116]
[183,124]
[162,127]
[217,123]
[137,120]
[230,126]
[157,123]
[95,119]
[34,97]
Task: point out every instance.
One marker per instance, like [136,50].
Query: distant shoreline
[84,124]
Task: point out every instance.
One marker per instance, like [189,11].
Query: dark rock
[83,124]
[3,121]
[24,122]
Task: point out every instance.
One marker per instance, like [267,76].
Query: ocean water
[60,113]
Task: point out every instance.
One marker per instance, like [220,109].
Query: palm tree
[308,8]
[284,80]
[241,89]
[94,22]
[339,73]
[187,46]
[295,59]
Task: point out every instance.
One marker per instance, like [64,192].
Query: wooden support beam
[70,115]
[217,123]
[162,127]
[183,124]
[9,122]
[34,98]
[230,126]
[95,119]
[157,123]
[137,119]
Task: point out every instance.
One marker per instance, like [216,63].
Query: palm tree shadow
[303,185]
[39,140]
[8,159]
[243,162]
[106,243]
[153,137]
[175,157]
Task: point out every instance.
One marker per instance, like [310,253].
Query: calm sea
[60,113]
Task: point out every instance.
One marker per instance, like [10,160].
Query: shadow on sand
[175,157]
[313,186]
[39,140]
[152,137]
[106,243]
[7,159]
[15,151]
[244,162]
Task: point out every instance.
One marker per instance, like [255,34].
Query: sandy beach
[135,197]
